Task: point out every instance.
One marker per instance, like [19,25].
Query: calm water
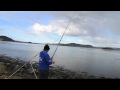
[95,62]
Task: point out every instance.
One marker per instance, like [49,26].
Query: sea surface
[95,62]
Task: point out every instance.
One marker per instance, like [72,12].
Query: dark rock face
[5,38]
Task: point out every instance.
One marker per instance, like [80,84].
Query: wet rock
[9,67]
[2,68]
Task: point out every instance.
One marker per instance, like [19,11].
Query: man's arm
[47,58]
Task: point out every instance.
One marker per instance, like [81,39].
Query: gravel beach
[14,68]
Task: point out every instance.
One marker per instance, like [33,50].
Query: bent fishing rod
[62,36]
[38,53]
[23,66]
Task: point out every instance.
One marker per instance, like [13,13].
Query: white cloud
[96,40]
[102,40]
[99,41]
[59,27]
[101,26]
[40,28]
[83,23]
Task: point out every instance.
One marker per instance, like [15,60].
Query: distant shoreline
[5,38]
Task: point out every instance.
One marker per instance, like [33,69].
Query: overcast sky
[97,28]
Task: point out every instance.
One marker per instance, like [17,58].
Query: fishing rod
[62,36]
[24,65]
[38,53]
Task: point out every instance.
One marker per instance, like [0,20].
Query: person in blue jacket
[44,62]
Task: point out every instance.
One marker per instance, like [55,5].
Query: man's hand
[53,62]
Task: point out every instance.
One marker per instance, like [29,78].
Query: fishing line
[62,36]
[38,53]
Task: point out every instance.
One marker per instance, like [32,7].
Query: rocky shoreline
[14,68]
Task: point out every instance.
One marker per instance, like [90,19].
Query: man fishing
[44,62]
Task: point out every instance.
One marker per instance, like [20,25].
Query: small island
[5,38]
[75,45]
[107,48]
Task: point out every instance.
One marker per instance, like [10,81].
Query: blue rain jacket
[44,61]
